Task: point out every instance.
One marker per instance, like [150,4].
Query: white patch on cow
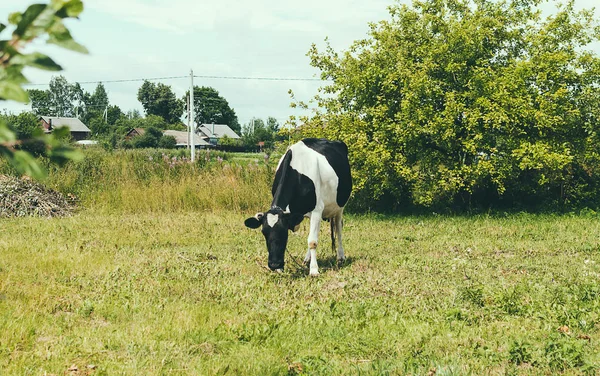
[272,219]
[315,166]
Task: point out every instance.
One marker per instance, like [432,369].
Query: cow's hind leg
[339,223]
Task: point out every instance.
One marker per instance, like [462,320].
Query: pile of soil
[24,197]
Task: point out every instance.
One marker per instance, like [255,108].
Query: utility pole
[192,124]
[187,109]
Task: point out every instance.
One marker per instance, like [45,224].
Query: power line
[261,78]
[119,81]
[185,77]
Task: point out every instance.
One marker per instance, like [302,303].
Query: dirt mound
[24,197]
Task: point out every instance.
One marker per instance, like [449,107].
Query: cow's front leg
[313,238]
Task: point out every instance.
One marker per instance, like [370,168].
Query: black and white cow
[312,180]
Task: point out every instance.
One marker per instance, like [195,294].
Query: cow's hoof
[278,270]
[314,273]
[341,262]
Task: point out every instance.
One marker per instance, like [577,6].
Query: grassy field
[187,294]
[156,274]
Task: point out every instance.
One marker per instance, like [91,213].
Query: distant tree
[272,125]
[152,121]
[99,98]
[210,107]
[228,141]
[27,126]
[40,102]
[61,96]
[58,100]
[113,114]
[94,104]
[149,139]
[159,99]
[257,131]
[98,126]
[79,100]
[70,100]
[167,142]
[133,114]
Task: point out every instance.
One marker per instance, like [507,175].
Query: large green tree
[454,101]
[159,99]
[210,107]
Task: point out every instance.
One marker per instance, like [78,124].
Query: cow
[312,180]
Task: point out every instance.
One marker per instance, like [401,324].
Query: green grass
[186,293]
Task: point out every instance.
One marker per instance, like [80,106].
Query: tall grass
[134,181]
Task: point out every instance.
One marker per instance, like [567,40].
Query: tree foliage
[210,107]
[153,137]
[454,102]
[258,131]
[38,20]
[159,99]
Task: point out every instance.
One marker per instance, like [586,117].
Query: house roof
[220,130]
[74,124]
[181,137]
[139,131]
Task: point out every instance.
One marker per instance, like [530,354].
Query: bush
[167,142]
[446,106]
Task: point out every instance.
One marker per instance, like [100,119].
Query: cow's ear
[254,222]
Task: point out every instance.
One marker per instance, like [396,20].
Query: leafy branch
[37,21]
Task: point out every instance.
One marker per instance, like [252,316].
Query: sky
[137,39]
[146,39]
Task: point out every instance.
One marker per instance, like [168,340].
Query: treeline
[109,124]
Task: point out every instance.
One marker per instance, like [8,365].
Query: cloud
[183,16]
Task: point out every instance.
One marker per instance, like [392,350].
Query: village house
[79,131]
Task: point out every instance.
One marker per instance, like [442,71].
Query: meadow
[156,274]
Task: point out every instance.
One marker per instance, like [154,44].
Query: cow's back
[313,172]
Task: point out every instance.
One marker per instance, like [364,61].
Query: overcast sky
[137,39]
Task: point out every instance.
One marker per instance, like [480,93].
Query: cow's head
[275,225]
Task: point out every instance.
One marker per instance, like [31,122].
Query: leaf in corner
[26,164]
[11,90]
[60,35]
[6,135]
[37,60]
[27,18]
[72,8]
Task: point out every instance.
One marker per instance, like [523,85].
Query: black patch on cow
[290,188]
[336,153]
